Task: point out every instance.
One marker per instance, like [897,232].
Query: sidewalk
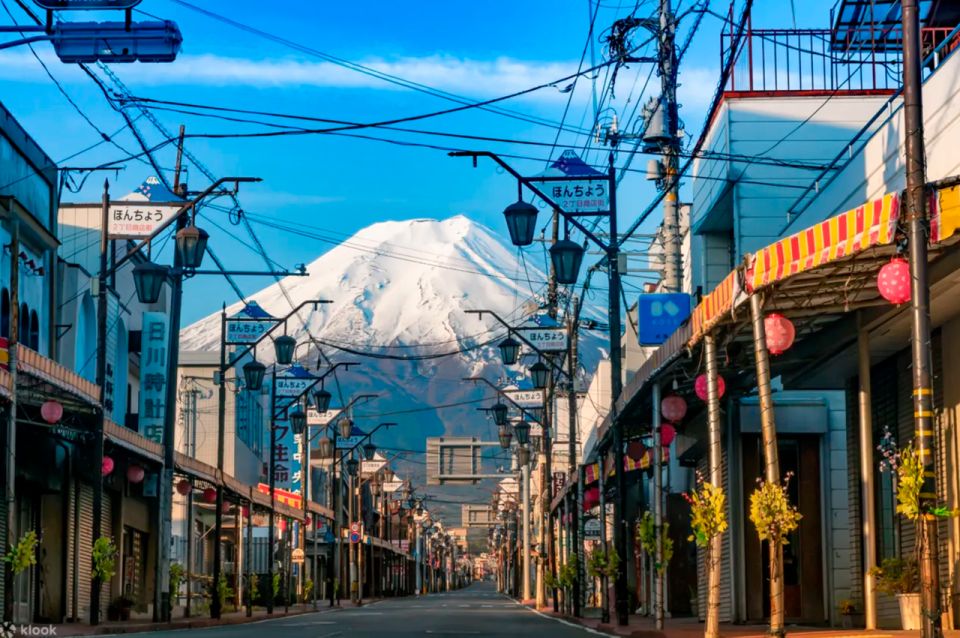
[643,627]
[195,622]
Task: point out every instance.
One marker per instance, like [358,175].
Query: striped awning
[944,214]
[714,306]
[843,235]
[592,472]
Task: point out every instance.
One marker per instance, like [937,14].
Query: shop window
[33,339]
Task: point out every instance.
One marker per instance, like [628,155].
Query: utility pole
[673,269]
[101,376]
[546,561]
[525,501]
[10,445]
[572,447]
[918,227]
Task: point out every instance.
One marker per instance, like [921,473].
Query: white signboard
[526,398]
[135,220]
[591,528]
[246,330]
[547,339]
[153,375]
[587,190]
[371,467]
[392,486]
[292,386]
[321,418]
[349,442]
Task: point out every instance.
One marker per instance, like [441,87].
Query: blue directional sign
[659,315]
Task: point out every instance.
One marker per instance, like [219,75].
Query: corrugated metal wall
[84,550]
[726,575]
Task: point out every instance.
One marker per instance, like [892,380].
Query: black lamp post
[522,428]
[509,351]
[369,449]
[353,465]
[148,279]
[322,399]
[539,373]
[284,346]
[191,243]
[325,445]
[253,372]
[298,420]
[499,413]
[521,222]
[523,456]
[346,428]
[566,257]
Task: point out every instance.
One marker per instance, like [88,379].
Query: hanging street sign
[153,375]
[547,339]
[294,381]
[526,398]
[591,528]
[136,220]
[579,194]
[249,324]
[356,436]
[297,555]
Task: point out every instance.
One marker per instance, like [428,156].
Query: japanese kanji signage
[249,324]
[547,339]
[286,455]
[133,220]
[153,375]
[659,315]
[526,398]
[580,194]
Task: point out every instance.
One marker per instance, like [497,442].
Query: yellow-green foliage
[772,513]
[708,513]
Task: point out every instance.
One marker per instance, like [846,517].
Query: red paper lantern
[636,450]
[780,333]
[667,434]
[700,387]
[210,495]
[591,497]
[183,487]
[245,511]
[306,522]
[673,408]
[893,281]
[107,466]
[135,474]
[282,524]
[51,411]
[227,506]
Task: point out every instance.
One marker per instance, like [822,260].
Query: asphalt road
[477,610]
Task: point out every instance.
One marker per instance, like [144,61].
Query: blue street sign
[354,537]
[328,537]
[659,315]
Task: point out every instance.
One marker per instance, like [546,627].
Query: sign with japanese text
[136,220]
[559,481]
[153,375]
[292,386]
[526,398]
[284,452]
[321,418]
[659,315]
[282,496]
[591,528]
[248,325]
[547,339]
[587,190]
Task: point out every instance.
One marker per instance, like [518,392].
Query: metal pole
[604,585]
[334,565]
[616,385]
[714,552]
[250,591]
[102,312]
[658,566]
[574,453]
[165,501]
[352,566]
[918,232]
[271,516]
[768,429]
[525,497]
[672,275]
[188,568]
[221,429]
[417,553]
[866,479]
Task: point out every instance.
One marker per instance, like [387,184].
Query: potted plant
[23,553]
[847,609]
[901,578]
[119,608]
[104,559]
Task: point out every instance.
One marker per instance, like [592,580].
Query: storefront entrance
[802,556]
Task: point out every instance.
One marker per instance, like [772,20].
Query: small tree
[708,520]
[647,537]
[104,559]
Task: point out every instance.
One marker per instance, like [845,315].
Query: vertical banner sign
[153,375]
[283,453]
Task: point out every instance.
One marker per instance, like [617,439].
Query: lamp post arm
[173,218]
[277,323]
[346,366]
[569,217]
[517,331]
[360,442]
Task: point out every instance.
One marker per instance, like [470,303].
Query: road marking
[451,633]
[567,622]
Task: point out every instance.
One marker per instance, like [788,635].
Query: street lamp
[509,351]
[499,413]
[369,449]
[322,400]
[539,374]
[191,244]
[522,428]
[284,346]
[521,222]
[505,435]
[298,420]
[148,278]
[346,428]
[325,445]
[566,257]
[253,372]
[353,465]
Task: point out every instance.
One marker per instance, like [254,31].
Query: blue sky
[338,185]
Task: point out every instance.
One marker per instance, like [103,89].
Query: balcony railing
[810,60]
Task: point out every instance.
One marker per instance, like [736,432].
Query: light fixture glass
[191,244]
[521,222]
[509,351]
[253,372]
[148,279]
[284,346]
[566,257]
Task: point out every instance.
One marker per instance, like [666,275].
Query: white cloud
[448,73]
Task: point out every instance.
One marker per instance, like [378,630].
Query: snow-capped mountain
[399,291]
